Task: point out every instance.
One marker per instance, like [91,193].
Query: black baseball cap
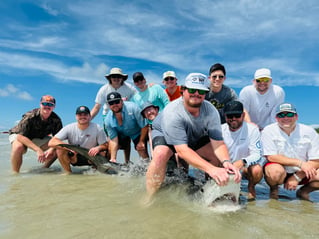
[113,96]
[82,109]
[138,76]
[233,107]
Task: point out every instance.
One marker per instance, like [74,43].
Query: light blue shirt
[132,124]
[154,94]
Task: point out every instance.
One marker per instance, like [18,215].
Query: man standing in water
[292,151]
[124,121]
[190,126]
[33,132]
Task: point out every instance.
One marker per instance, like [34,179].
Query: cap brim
[47,102]
[197,87]
[233,112]
[291,111]
[113,100]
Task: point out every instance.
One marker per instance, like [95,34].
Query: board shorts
[160,140]
[124,141]
[80,160]
[302,182]
[37,141]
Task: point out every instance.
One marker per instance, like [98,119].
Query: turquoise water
[47,204]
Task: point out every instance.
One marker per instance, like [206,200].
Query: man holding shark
[190,126]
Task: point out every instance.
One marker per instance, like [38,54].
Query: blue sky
[64,48]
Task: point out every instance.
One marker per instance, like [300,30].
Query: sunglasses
[262,80]
[218,76]
[230,116]
[138,79]
[114,102]
[192,91]
[169,78]
[47,104]
[288,114]
[116,76]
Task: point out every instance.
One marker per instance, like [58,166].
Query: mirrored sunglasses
[288,114]
[262,80]
[192,91]
[47,104]
[114,102]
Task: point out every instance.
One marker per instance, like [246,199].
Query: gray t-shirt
[220,99]
[91,137]
[179,127]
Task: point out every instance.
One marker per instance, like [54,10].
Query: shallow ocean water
[46,204]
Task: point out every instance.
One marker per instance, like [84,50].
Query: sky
[64,48]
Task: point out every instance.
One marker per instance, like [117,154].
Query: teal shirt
[154,94]
[133,122]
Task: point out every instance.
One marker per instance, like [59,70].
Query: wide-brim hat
[116,71]
[147,105]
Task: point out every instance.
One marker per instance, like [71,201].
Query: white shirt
[243,143]
[126,90]
[262,107]
[302,144]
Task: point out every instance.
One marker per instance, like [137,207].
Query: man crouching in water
[82,133]
[190,127]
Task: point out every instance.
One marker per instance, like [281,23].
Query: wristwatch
[297,177]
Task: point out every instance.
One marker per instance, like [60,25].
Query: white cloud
[84,73]
[13,91]
[187,35]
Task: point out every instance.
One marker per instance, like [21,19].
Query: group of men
[205,125]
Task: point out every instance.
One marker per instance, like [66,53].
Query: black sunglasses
[230,116]
[114,102]
[138,79]
[169,78]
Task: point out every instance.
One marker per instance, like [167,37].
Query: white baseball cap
[196,81]
[262,73]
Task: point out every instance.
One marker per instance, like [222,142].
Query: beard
[117,110]
[190,102]
[234,125]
